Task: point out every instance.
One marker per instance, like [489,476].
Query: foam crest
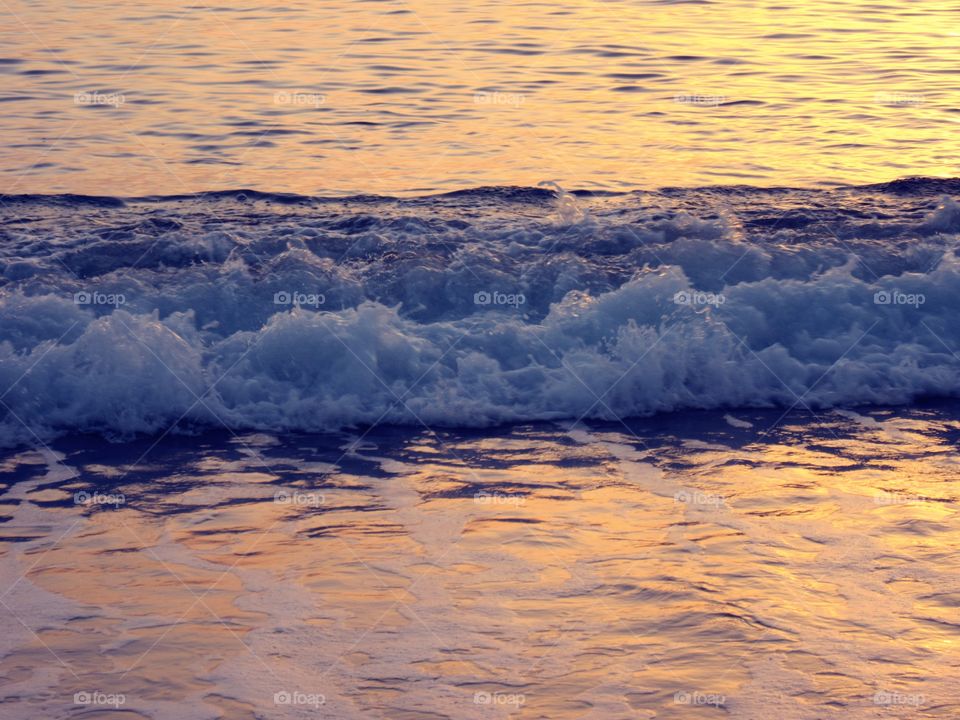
[315,323]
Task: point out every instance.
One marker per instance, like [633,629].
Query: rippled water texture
[392,97]
[699,566]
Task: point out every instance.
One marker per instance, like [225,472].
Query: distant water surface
[410,97]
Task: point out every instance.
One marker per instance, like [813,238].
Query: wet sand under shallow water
[676,567]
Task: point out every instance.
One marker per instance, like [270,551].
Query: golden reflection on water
[393,97]
[554,575]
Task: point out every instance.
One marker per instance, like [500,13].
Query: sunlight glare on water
[411,97]
[681,570]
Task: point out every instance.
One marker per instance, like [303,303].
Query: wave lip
[918,186]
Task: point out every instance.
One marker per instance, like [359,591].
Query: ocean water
[510,452]
[490,360]
[401,97]
[698,565]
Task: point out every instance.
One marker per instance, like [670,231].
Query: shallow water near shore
[707,564]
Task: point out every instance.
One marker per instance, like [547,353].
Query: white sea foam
[404,327]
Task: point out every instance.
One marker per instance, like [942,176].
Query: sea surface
[507,452]
[431,361]
[412,97]
[700,565]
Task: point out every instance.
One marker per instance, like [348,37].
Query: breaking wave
[279,312]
